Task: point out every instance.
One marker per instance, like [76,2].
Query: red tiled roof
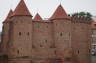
[38,17]
[21,9]
[9,16]
[59,13]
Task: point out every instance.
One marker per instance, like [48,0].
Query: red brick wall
[5,37]
[80,42]
[62,35]
[42,40]
[21,39]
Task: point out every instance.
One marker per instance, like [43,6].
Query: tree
[88,15]
[83,14]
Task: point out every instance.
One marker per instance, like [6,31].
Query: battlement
[80,19]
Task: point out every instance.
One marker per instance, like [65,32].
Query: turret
[5,38]
[21,10]
[21,33]
[37,17]
[5,33]
[62,33]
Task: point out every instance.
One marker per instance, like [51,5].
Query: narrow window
[19,33]
[69,34]
[41,46]
[46,41]
[61,34]
[54,52]
[56,24]
[18,51]
[89,50]
[28,33]
[78,51]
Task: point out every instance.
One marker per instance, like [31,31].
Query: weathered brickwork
[60,39]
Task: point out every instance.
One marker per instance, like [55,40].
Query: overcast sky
[47,7]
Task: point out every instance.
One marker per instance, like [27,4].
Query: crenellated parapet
[80,19]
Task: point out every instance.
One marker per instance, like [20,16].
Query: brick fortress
[60,39]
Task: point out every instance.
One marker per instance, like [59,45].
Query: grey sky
[47,7]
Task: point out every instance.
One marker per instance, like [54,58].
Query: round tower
[5,38]
[62,34]
[20,46]
[5,33]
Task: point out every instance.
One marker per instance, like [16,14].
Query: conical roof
[21,9]
[38,17]
[59,13]
[9,16]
